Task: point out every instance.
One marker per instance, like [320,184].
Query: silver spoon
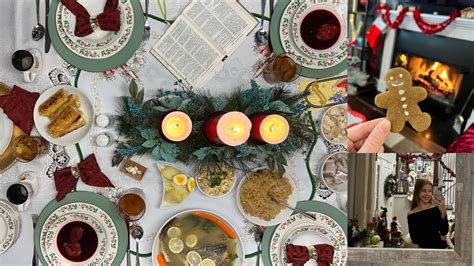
[38,30]
[137,234]
[261,36]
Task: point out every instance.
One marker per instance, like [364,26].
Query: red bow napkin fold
[89,172]
[299,255]
[18,106]
[108,20]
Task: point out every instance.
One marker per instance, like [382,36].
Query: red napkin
[18,106]
[464,143]
[299,255]
[108,20]
[89,172]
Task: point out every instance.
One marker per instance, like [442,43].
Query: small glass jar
[104,120]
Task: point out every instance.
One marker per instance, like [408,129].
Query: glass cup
[131,205]
[20,194]
[282,68]
[27,148]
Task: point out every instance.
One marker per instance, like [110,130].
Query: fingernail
[384,125]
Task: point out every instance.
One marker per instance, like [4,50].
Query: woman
[427,223]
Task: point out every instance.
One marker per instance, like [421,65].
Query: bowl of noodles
[262,194]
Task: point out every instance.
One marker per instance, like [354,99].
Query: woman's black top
[426,228]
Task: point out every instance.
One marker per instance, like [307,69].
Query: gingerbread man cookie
[401,101]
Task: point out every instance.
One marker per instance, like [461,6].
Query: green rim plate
[94,199]
[98,65]
[308,205]
[278,47]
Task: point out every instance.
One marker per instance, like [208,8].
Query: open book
[195,46]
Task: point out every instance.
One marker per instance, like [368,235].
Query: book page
[224,22]
[185,53]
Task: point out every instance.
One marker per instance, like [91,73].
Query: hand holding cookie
[401,101]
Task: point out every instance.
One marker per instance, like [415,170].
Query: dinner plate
[240,248]
[284,213]
[329,218]
[101,204]
[9,226]
[42,122]
[6,131]
[281,38]
[101,50]
[90,214]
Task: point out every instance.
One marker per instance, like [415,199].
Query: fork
[146,35]
[35,262]
[258,235]
[310,216]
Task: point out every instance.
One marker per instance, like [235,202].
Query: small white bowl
[213,196]
[344,141]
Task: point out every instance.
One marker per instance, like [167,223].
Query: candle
[232,128]
[271,129]
[176,126]
[104,121]
[104,139]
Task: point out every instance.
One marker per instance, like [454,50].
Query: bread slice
[67,117]
[73,100]
[53,103]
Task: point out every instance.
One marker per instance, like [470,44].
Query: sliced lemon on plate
[208,262]
[191,184]
[193,258]
[173,232]
[176,245]
[191,241]
[180,179]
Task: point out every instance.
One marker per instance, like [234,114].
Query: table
[103,91]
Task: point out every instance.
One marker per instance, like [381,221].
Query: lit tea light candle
[232,128]
[176,126]
[271,129]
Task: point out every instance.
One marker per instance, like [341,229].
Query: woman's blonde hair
[419,184]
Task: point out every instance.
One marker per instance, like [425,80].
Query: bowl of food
[262,197]
[334,172]
[215,180]
[177,185]
[334,124]
[197,237]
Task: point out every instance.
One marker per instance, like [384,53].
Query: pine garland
[139,121]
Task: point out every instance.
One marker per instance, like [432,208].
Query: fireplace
[441,81]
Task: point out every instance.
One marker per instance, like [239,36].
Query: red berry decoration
[76,234]
[72,249]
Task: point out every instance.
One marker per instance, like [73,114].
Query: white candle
[102,120]
[102,140]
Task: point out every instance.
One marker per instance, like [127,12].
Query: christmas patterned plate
[282,41]
[99,44]
[335,49]
[9,226]
[85,213]
[330,227]
[100,50]
[92,204]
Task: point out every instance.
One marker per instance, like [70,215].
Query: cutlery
[311,216]
[137,234]
[47,41]
[261,36]
[35,261]
[272,6]
[129,260]
[38,30]
[146,35]
[258,235]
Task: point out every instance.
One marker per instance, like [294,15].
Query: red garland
[425,27]
[431,29]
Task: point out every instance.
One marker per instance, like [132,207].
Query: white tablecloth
[17,20]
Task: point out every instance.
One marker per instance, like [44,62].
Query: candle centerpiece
[232,128]
[176,126]
[269,128]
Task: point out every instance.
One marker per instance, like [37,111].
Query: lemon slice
[176,245]
[208,262]
[173,232]
[193,258]
[191,241]
[191,184]
[180,179]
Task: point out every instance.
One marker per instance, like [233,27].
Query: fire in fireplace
[441,80]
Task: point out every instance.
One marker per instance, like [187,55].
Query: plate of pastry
[63,115]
